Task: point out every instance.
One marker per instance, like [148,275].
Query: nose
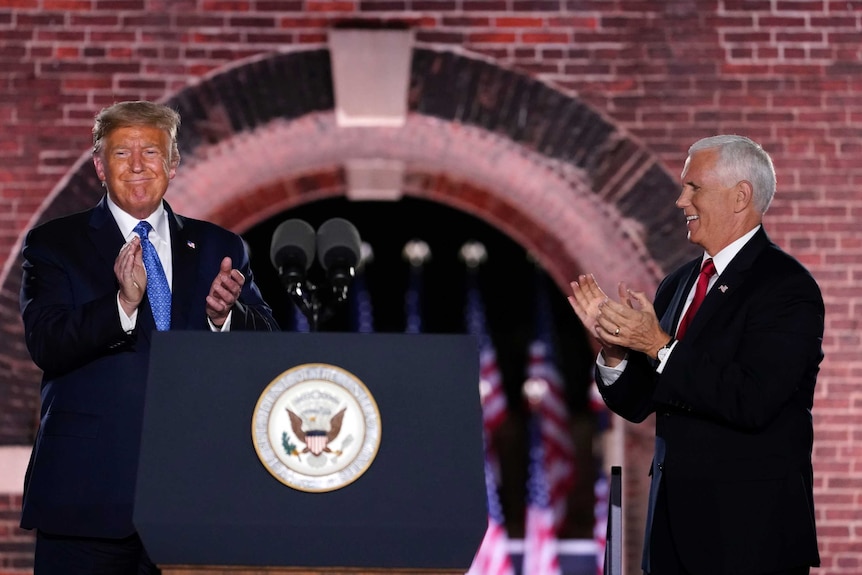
[136,162]
[684,199]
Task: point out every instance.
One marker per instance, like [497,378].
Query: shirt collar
[723,258]
[158,219]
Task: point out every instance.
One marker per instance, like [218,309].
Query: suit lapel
[105,234]
[670,319]
[728,282]
[185,267]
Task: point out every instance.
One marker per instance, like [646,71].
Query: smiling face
[136,166]
[717,212]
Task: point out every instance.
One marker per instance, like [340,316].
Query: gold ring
[617,332]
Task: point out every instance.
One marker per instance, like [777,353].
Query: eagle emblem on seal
[313,433]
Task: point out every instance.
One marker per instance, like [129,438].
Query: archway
[260,138]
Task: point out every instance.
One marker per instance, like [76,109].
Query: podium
[208,502]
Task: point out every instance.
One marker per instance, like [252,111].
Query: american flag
[492,558]
[417,253]
[413,301]
[554,415]
[540,539]
[361,311]
[493,395]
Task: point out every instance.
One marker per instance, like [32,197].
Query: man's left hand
[634,327]
[224,292]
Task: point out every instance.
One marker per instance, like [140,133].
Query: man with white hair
[727,358]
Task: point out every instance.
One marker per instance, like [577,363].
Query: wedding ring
[617,331]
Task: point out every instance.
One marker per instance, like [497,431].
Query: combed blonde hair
[137,113]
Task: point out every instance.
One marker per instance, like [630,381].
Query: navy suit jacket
[82,472]
[733,409]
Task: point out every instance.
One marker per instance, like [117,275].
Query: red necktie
[706,272]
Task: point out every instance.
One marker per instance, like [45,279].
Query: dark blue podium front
[205,498]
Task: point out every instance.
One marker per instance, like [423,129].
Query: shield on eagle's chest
[316,441]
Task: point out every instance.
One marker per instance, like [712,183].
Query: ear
[100,167]
[175,162]
[744,196]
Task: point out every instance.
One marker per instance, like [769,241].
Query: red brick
[544,38]
[330,6]
[518,22]
[490,37]
[226,5]
[67,4]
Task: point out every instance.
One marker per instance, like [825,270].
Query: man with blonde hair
[96,285]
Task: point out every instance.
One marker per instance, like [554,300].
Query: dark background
[508,281]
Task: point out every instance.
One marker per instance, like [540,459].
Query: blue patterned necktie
[158,291]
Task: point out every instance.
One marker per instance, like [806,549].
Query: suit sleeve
[631,395]
[68,305]
[250,312]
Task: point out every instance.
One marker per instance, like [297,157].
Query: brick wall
[16,545]
[658,73]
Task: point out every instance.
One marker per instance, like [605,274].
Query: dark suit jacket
[733,407]
[82,471]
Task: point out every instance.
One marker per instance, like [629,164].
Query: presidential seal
[316,428]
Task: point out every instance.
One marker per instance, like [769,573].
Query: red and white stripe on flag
[540,543]
[494,402]
[540,534]
[493,555]
[556,438]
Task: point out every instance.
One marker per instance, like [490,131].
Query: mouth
[689,219]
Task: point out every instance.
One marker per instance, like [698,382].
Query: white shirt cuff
[610,374]
[127,322]
[225,326]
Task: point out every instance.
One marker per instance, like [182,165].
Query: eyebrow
[143,146]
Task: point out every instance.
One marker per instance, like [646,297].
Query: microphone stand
[317,301]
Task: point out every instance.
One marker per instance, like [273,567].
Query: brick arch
[260,137]
[543,204]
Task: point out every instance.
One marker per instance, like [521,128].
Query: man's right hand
[131,275]
[587,299]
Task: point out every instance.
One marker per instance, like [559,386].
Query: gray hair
[740,158]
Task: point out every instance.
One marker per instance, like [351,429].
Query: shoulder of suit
[774,255]
[774,267]
[76,221]
[204,225]
[192,227]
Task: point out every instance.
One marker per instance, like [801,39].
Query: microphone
[292,251]
[338,250]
